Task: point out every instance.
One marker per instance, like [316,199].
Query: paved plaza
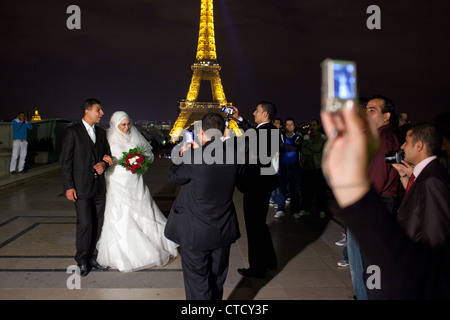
[37,245]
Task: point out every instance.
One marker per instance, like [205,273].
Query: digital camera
[338,84]
[395,156]
[227,110]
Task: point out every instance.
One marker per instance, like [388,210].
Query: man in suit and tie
[257,189]
[83,148]
[425,210]
[203,218]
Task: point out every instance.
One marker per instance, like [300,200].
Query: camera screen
[344,81]
[189,137]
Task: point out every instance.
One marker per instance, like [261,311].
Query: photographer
[424,213]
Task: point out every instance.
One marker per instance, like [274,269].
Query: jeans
[289,182]
[356,267]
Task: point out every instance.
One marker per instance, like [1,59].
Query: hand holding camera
[404,168]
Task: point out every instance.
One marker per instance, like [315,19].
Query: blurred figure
[403,126]
[278,123]
[289,169]
[313,184]
[442,123]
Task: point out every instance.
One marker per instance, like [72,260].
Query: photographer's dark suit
[257,189]
[78,157]
[203,222]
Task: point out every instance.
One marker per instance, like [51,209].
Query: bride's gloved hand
[108,159]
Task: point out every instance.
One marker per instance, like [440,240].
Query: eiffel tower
[205,67]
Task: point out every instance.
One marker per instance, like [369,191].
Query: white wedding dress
[132,237]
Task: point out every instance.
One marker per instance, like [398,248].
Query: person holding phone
[20,126]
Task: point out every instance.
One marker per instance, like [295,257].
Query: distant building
[36,116]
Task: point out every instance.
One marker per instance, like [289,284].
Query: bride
[132,237]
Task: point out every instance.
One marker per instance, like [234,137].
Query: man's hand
[100,168]
[235,112]
[71,194]
[403,168]
[346,155]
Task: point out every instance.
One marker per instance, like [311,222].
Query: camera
[395,156]
[338,84]
[188,136]
[227,110]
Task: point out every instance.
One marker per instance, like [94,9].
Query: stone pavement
[37,237]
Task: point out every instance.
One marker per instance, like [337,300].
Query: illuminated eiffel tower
[205,67]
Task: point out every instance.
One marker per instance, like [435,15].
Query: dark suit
[425,211]
[408,269]
[78,157]
[203,222]
[257,189]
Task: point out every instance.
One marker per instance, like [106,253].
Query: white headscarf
[129,140]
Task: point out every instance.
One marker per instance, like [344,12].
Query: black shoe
[83,269]
[97,266]
[252,273]
[13,172]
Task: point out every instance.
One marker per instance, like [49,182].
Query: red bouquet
[134,161]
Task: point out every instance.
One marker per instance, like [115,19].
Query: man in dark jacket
[203,218]
[260,180]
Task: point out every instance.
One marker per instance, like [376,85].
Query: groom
[83,149]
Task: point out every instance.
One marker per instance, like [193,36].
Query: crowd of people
[120,226]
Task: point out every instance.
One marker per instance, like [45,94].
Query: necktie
[410,182]
[92,134]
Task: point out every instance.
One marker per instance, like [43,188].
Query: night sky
[136,55]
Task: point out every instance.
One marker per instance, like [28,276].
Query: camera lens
[395,156]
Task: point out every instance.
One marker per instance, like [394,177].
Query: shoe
[342,263]
[23,171]
[287,201]
[301,214]
[322,215]
[342,242]
[272,203]
[83,269]
[279,214]
[13,172]
[252,273]
[97,266]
